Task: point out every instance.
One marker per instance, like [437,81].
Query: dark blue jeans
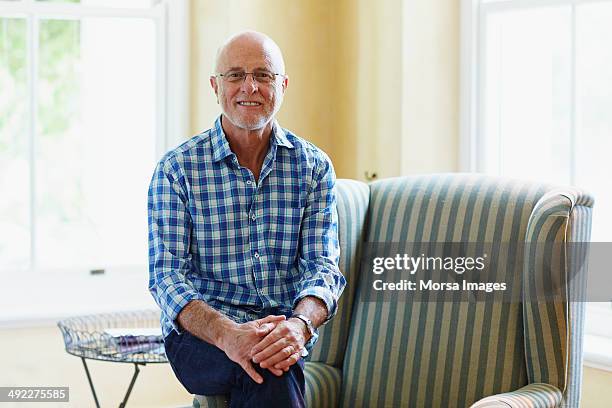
[206,370]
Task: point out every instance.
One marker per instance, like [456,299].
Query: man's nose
[249,85]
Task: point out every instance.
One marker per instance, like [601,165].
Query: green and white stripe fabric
[535,395]
[453,353]
[323,383]
[216,401]
[553,328]
[352,204]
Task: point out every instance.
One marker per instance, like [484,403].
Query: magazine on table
[136,339]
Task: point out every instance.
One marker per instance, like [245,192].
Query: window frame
[172,22]
[598,343]
[172,110]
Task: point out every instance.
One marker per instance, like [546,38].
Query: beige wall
[344,59]
[596,388]
[302,30]
[368,95]
[431,86]
[36,357]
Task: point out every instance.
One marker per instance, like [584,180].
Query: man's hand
[281,348]
[238,342]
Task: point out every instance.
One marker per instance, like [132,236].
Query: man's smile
[249,103]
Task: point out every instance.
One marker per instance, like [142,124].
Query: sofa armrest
[536,395]
[323,384]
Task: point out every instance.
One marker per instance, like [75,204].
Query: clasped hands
[273,342]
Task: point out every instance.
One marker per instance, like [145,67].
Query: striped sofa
[452,353]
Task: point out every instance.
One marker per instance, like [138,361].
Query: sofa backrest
[452,353]
[352,204]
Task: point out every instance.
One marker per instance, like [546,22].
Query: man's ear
[285,82]
[215,86]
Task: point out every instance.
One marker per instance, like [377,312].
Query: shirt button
[249,182]
[256,255]
[253,217]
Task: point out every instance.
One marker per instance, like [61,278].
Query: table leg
[129,390]
[93,390]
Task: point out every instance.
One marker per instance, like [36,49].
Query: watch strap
[314,333]
[311,330]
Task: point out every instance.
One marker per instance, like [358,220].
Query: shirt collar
[279,136]
[220,145]
[221,148]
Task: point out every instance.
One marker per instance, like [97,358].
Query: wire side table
[86,337]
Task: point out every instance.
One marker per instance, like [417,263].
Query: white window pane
[14,147]
[60,1]
[121,3]
[527,107]
[594,111]
[109,3]
[96,143]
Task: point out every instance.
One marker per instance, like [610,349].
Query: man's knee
[295,376]
[286,390]
[200,367]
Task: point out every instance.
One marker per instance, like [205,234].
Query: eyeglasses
[263,77]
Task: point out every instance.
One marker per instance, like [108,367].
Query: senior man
[243,246]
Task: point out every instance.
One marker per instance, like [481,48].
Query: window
[79,131]
[87,102]
[537,101]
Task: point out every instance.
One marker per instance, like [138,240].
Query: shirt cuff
[320,293]
[310,343]
[181,302]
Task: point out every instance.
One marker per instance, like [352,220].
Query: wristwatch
[311,329]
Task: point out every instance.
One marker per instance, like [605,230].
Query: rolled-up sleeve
[169,241]
[319,250]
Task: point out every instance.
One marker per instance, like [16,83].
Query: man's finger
[271,338]
[281,355]
[285,364]
[270,351]
[250,370]
[271,319]
[265,329]
[276,372]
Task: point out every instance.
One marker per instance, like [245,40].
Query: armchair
[450,354]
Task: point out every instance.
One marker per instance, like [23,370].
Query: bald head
[249,102]
[247,44]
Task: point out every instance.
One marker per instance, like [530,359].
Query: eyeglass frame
[219,74]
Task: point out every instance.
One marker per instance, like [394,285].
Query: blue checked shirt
[246,248]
